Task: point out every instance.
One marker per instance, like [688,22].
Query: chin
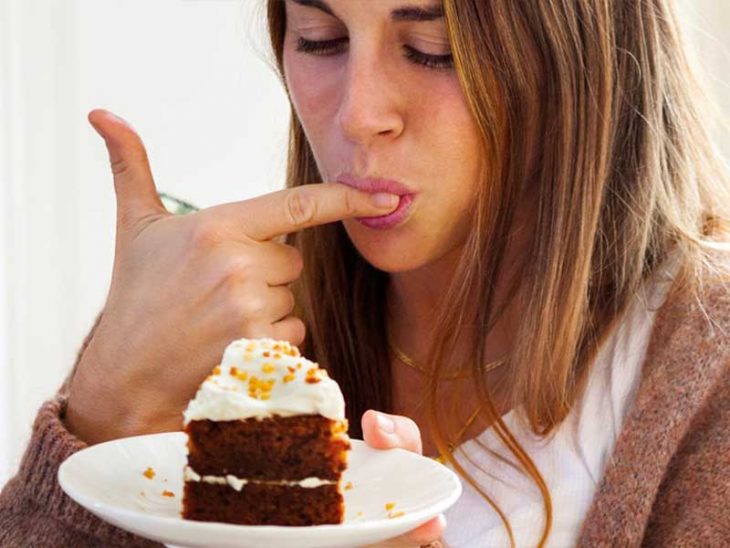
[391,251]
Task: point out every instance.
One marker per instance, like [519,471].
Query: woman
[531,260]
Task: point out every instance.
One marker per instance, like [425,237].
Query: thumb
[384,431]
[133,183]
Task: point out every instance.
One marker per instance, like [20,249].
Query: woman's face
[373,85]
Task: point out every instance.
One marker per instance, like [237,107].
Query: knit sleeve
[691,508]
[34,510]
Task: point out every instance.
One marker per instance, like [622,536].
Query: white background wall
[190,76]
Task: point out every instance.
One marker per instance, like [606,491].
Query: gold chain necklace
[407,360]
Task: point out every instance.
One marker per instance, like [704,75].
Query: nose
[369,108]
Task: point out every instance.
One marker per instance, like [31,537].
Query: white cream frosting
[238,483]
[264,377]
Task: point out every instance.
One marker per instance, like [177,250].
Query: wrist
[93,413]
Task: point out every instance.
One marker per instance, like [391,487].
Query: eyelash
[334,46]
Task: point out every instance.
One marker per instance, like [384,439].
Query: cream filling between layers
[238,483]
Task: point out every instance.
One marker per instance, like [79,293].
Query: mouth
[395,217]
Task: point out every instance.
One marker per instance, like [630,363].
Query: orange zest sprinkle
[348,486]
[167,493]
[266,354]
[392,515]
[289,377]
[216,370]
[268,368]
[389,505]
[312,380]
[149,473]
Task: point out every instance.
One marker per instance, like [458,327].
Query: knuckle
[245,297]
[237,270]
[205,232]
[301,208]
[350,202]
[250,306]
[119,166]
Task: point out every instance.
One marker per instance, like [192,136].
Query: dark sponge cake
[267,440]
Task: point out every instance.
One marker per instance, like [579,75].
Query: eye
[321,47]
[338,45]
[439,62]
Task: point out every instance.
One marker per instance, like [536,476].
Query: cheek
[446,123]
[312,92]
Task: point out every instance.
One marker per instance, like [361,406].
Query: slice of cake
[267,440]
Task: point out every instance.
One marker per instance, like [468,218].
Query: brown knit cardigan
[666,484]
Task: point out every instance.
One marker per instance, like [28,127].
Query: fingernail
[385,423]
[385,200]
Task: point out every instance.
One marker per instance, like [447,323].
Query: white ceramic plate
[108,479]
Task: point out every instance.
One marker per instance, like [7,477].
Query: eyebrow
[405,13]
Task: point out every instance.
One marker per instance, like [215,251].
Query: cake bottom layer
[263,504]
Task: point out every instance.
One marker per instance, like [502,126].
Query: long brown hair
[589,108]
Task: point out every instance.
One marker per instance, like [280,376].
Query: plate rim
[418,517]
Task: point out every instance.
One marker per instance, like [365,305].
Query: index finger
[293,209]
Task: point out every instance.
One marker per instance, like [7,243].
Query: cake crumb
[149,473]
[266,354]
[167,493]
[348,486]
[389,505]
[359,514]
[313,375]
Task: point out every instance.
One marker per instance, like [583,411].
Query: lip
[373,186]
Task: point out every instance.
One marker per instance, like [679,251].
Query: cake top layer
[265,377]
